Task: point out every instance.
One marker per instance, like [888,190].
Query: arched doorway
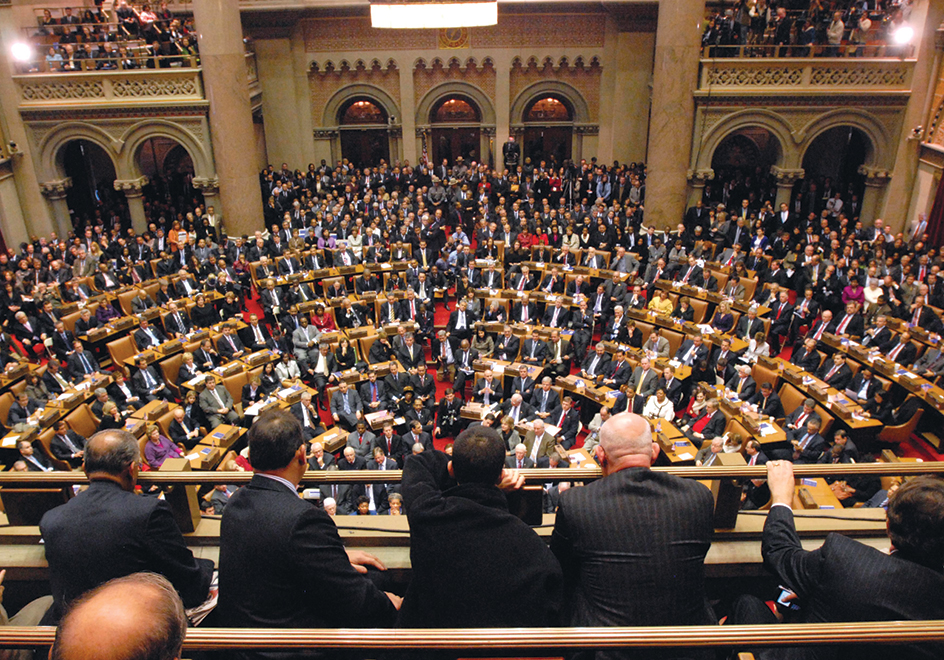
[167,165]
[365,139]
[456,129]
[741,163]
[548,129]
[92,171]
[831,165]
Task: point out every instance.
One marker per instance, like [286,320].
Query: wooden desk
[822,495]
[676,448]
[576,385]
[149,408]
[580,458]
[6,382]
[332,440]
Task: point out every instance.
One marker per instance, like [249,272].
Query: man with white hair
[654,526]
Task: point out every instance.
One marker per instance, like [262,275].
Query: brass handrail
[535,476]
[474,639]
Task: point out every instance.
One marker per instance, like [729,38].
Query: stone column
[408,114]
[132,188]
[223,59]
[55,193]
[697,180]
[32,208]
[786,179]
[876,185]
[672,115]
[503,100]
[926,17]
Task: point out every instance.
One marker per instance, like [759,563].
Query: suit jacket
[603,519]
[545,444]
[105,532]
[397,449]
[466,531]
[905,356]
[337,402]
[537,398]
[697,355]
[567,422]
[806,360]
[840,379]
[142,339]
[525,410]
[75,365]
[645,385]
[748,328]
[563,317]
[419,356]
[857,382]
[747,389]
[63,452]
[269,540]
[512,463]
[208,403]
[480,385]
[844,580]
[661,346]
[225,348]
[507,348]
[772,406]
[138,386]
[179,435]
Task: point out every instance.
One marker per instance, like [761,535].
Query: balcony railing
[810,76]
[92,88]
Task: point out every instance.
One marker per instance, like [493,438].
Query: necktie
[711,459]
[740,385]
[258,333]
[554,317]
[85,364]
[347,404]
[148,381]
[916,317]
[373,393]
[780,310]
[895,351]
[520,464]
[218,398]
[805,441]
[819,333]
[232,344]
[62,381]
[833,371]
[524,315]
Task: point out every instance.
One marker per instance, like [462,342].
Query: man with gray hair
[654,527]
[107,531]
[107,622]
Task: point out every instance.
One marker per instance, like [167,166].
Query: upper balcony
[819,76]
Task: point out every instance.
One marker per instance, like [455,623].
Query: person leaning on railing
[845,580]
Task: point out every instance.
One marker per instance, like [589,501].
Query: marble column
[55,193]
[33,210]
[503,100]
[672,115]
[786,179]
[408,116]
[225,79]
[132,188]
[876,186]
[697,180]
[926,17]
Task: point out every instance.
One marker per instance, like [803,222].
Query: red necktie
[845,322]
[831,372]
[896,351]
[917,316]
[819,333]
[779,311]
[412,310]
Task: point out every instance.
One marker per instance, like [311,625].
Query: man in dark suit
[148,336]
[707,424]
[410,355]
[668,547]
[516,408]
[806,356]
[544,399]
[533,350]
[255,336]
[518,460]
[460,525]
[525,311]
[768,402]
[742,384]
[22,408]
[902,350]
[108,520]
[184,429]
[82,362]
[229,345]
[808,445]
[693,350]
[557,316]
[559,356]
[270,539]
[863,385]
[55,379]
[506,348]
[176,323]
[67,445]
[844,580]
[148,385]
[488,389]
[391,444]
[836,373]
[566,418]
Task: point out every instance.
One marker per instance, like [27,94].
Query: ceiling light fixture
[444,14]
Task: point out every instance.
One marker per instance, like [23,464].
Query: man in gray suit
[645,378]
[666,547]
[657,344]
[931,364]
[217,403]
[346,407]
[305,339]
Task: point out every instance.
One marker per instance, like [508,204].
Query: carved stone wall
[512,31]
[584,76]
[425,77]
[326,78]
[100,88]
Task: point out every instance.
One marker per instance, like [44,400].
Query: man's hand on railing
[360,560]
[511,480]
[781,482]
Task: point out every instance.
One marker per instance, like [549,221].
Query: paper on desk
[192,456]
[385,266]
[195,380]
[685,457]
[498,369]
[766,429]
[10,441]
[399,420]
[553,430]
[706,329]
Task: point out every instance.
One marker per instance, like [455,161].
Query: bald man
[107,622]
[655,527]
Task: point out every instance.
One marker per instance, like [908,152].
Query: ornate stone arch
[136,134]
[486,107]
[545,87]
[881,154]
[50,147]
[332,108]
[774,123]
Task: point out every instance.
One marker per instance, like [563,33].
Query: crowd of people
[130,37]
[806,28]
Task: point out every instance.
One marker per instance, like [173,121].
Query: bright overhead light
[903,35]
[417,15]
[21,52]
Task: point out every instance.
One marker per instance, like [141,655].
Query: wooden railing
[531,476]
[538,641]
